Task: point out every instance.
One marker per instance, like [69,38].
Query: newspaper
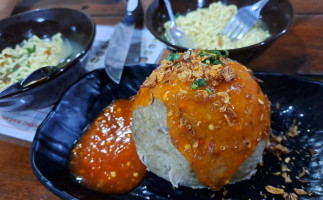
[145,48]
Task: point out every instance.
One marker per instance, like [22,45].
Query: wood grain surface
[17,180]
[298,51]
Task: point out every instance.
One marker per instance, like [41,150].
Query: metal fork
[245,18]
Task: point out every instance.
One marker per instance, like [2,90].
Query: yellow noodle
[205,25]
[16,63]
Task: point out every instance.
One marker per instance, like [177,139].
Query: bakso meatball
[201,120]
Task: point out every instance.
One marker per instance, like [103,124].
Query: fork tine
[243,33]
[243,20]
[239,29]
[228,28]
[233,27]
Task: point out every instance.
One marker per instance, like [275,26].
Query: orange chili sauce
[105,158]
[215,143]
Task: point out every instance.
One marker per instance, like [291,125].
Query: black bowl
[74,26]
[277,15]
[299,100]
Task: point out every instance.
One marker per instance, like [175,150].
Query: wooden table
[298,51]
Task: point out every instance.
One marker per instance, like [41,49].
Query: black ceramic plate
[299,100]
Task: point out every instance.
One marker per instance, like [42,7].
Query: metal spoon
[39,74]
[179,38]
[70,53]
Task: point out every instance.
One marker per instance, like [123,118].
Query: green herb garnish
[198,82]
[194,86]
[213,56]
[217,62]
[173,56]
[208,90]
[210,53]
[177,14]
[201,82]
[226,53]
[31,50]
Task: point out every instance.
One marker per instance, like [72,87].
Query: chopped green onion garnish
[209,52]
[173,56]
[200,82]
[218,55]
[31,50]
[211,58]
[217,62]
[226,53]
[208,90]
[177,14]
[194,86]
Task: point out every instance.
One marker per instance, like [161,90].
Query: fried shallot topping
[193,65]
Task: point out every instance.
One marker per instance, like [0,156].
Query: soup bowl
[76,28]
[277,16]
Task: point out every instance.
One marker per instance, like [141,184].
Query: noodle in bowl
[277,17]
[16,63]
[61,39]
[205,26]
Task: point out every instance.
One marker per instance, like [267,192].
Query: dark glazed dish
[299,100]
[277,15]
[74,25]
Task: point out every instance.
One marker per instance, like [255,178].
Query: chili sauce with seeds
[105,158]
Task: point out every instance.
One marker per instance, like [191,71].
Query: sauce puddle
[105,157]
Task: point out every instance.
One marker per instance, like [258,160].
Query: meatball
[201,120]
